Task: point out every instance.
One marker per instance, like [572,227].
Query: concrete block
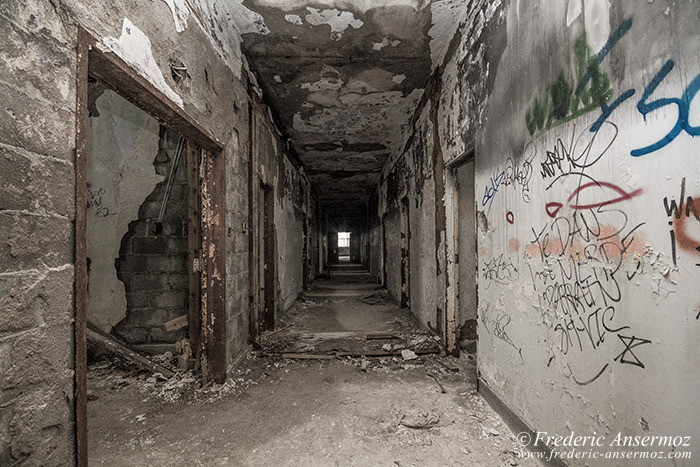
[132,263]
[149,245]
[32,241]
[177,246]
[156,335]
[149,210]
[40,430]
[174,227]
[170,299]
[167,264]
[138,300]
[39,354]
[130,335]
[176,209]
[36,125]
[178,282]
[141,282]
[32,181]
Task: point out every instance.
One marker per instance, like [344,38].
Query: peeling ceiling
[343,77]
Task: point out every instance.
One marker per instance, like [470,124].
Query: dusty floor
[334,410]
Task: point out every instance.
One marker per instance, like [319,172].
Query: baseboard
[515,423]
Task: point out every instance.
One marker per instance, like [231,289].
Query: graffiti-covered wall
[588,196]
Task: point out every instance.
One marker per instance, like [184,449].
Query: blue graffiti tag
[490,191]
[682,124]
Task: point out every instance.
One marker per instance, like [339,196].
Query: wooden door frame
[110,69]
[405,227]
[452,326]
[306,260]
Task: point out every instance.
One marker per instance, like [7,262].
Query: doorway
[405,254]
[343,246]
[111,195]
[461,299]
[266,258]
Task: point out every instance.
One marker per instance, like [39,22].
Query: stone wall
[37,147]
[153,259]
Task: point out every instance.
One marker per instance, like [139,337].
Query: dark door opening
[267,263]
[405,255]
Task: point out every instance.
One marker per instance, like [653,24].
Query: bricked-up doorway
[206,191]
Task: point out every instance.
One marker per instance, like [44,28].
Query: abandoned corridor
[285,231]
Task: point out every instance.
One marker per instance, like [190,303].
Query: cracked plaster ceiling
[343,77]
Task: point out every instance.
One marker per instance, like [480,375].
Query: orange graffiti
[683,239]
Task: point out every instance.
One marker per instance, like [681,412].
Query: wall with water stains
[587,182]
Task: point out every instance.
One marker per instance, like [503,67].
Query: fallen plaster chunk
[398,79]
[294,19]
[408,354]
[338,20]
[277,78]
[134,47]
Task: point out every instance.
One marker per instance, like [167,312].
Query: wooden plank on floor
[175,324]
[307,356]
[109,343]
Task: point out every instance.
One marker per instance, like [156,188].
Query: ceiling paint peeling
[338,20]
[344,100]
[385,42]
[294,19]
[356,5]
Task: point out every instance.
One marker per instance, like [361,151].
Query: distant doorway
[344,246]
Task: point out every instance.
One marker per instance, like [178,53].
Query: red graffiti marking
[623,195]
[553,208]
[684,240]
[510,217]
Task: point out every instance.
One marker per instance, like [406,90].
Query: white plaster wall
[599,337]
[122,145]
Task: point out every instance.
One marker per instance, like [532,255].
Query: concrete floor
[334,411]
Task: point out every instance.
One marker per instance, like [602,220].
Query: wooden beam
[175,324]
[118,75]
[81,273]
[109,343]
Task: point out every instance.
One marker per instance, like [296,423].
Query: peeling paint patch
[181,12]
[447,16]
[294,19]
[596,15]
[247,21]
[357,5]
[134,47]
[330,81]
[338,20]
[385,42]
[573,11]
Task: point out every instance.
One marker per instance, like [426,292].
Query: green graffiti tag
[563,102]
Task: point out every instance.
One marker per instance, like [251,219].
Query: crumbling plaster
[344,110]
[122,145]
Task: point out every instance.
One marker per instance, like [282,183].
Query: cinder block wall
[152,262]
